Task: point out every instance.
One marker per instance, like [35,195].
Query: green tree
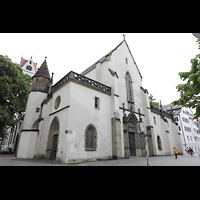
[14,89]
[153,102]
[189,91]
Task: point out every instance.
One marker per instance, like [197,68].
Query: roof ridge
[100,60]
[108,54]
[133,59]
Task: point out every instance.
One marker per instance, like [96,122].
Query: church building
[95,114]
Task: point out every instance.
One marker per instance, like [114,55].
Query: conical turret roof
[43,70]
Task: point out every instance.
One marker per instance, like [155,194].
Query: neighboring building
[188,127]
[12,139]
[28,66]
[94,115]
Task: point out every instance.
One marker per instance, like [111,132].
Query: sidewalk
[183,160]
[11,160]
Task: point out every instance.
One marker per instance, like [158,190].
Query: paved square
[183,160]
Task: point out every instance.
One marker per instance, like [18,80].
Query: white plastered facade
[77,111]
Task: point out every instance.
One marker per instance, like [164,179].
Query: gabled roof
[133,59]
[24,61]
[101,60]
[43,70]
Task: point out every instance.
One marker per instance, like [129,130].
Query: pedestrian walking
[175,152]
[191,151]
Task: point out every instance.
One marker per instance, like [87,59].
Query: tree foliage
[153,102]
[190,91]
[14,89]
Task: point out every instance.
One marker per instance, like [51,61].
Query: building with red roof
[28,66]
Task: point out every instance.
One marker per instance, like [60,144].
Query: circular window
[57,102]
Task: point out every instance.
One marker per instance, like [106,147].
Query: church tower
[41,83]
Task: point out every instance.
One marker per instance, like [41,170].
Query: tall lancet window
[129,87]
[42,85]
[36,86]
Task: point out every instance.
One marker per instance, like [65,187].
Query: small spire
[45,57]
[124,36]
[52,77]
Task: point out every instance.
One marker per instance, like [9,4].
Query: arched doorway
[52,142]
[133,135]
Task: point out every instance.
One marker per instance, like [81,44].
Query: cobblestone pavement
[183,160]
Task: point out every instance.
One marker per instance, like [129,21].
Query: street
[183,160]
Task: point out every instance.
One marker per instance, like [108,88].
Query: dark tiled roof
[43,70]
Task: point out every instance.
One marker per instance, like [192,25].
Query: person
[191,151]
[175,152]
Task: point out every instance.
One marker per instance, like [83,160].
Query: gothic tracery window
[90,138]
[129,87]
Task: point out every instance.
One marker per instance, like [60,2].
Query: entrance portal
[133,136]
[132,143]
[54,149]
[52,142]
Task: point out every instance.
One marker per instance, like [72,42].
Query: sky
[159,56]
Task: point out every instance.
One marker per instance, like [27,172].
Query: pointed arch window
[42,85]
[129,87]
[90,138]
[159,143]
[36,85]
